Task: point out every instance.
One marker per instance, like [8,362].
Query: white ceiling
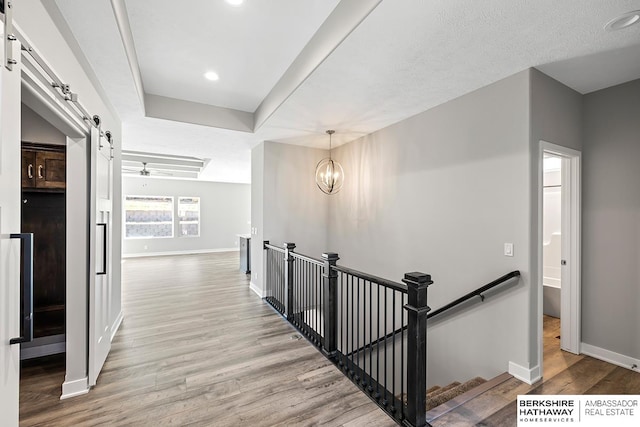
[405,57]
[250,47]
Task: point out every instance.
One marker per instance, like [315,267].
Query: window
[189,216]
[148,217]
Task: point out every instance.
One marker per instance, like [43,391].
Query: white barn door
[10,318]
[100,262]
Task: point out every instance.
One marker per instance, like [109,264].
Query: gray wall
[224,212]
[288,206]
[611,219]
[441,193]
[295,210]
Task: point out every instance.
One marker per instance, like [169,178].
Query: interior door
[100,259]
[10,253]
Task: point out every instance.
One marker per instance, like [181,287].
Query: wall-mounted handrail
[477,292]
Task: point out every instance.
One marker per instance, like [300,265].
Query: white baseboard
[256,290]
[528,375]
[75,388]
[116,324]
[610,356]
[169,253]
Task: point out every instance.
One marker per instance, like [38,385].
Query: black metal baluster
[402,390]
[386,351]
[358,327]
[378,346]
[343,349]
[296,297]
[364,333]
[370,388]
[318,305]
[353,324]
[393,344]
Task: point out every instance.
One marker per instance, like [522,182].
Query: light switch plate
[508,249]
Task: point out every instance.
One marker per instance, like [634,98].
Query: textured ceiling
[405,57]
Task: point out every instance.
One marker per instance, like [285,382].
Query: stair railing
[477,293]
[340,310]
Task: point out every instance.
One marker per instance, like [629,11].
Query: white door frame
[570,293]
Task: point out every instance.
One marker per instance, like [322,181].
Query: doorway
[43,213]
[559,184]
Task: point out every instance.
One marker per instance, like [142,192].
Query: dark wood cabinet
[44,215]
[43,167]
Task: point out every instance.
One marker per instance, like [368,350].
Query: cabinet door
[51,170]
[28,169]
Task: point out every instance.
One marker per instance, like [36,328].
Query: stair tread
[453,392]
[434,388]
[442,390]
[466,396]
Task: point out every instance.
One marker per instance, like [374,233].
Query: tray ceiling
[290,69]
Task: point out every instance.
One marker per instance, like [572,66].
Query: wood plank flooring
[197,347]
[564,373]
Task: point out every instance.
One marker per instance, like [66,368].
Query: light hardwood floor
[197,347]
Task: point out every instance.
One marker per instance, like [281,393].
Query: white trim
[610,356]
[571,294]
[124,28]
[528,375]
[188,252]
[256,290]
[75,388]
[116,324]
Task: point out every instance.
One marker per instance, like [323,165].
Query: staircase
[441,400]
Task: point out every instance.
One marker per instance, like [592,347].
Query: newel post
[288,278]
[330,294]
[417,310]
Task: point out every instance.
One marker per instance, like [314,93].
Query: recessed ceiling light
[623,21]
[211,75]
[235,3]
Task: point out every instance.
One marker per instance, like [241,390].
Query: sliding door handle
[104,249]
[27,274]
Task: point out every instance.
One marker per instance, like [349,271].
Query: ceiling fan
[146,172]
